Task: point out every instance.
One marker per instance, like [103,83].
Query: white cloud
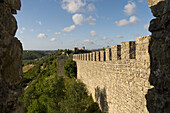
[22,30]
[69,29]
[42,35]
[104,38]
[31,30]
[130,8]
[91,7]
[78,19]
[57,33]
[52,39]
[146,27]
[39,22]
[119,37]
[124,22]
[73,6]
[92,23]
[133,19]
[93,33]
[88,42]
[91,20]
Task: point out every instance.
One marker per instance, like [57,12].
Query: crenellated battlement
[127,50]
[117,77]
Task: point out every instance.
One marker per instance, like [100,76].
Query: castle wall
[118,85]
[61,60]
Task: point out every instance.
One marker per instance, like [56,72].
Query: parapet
[116,52]
[88,56]
[128,50]
[108,54]
[97,55]
[91,56]
[94,56]
[102,55]
[138,50]
[85,57]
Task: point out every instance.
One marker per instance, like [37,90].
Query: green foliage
[67,51]
[46,92]
[76,94]
[27,62]
[82,51]
[103,49]
[70,68]
[31,55]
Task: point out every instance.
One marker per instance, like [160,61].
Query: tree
[76,99]
[70,69]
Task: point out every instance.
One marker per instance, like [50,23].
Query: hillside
[46,92]
[30,56]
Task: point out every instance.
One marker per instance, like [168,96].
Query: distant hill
[31,55]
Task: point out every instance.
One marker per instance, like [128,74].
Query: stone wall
[10,58]
[118,79]
[61,60]
[158,98]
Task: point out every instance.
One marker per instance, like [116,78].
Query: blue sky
[64,24]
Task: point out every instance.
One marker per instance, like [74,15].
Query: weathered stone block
[102,56]
[85,57]
[91,56]
[128,50]
[94,56]
[97,56]
[88,56]
[116,52]
[82,56]
[108,54]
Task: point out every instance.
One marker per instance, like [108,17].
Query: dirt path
[28,67]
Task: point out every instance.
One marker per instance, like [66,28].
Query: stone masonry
[10,58]
[123,85]
[158,98]
[118,85]
[61,60]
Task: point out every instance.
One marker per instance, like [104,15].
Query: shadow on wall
[158,100]
[101,98]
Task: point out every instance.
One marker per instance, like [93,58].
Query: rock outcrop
[10,57]
[158,99]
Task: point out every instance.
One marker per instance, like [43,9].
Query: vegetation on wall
[70,68]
